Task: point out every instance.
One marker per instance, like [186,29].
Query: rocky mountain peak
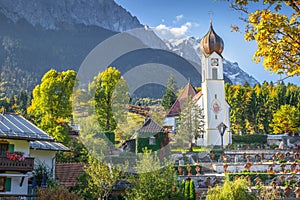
[52,14]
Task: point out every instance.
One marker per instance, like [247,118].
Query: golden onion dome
[211,42]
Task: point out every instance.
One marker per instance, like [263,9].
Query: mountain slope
[54,13]
[41,34]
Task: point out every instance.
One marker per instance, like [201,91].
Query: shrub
[249,139]
[56,193]
[217,152]
[253,175]
[231,190]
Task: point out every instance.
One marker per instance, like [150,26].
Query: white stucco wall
[213,93]
[20,145]
[170,121]
[15,184]
[44,157]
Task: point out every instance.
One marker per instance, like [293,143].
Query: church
[212,96]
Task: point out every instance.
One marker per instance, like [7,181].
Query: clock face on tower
[214,61]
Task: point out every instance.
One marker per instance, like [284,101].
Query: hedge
[249,138]
[184,167]
[218,153]
[253,175]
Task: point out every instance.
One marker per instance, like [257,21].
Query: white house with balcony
[23,146]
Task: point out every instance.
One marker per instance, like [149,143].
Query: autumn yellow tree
[275,27]
[286,120]
[51,106]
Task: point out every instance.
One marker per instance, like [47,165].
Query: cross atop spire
[210,15]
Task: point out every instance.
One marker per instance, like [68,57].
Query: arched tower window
[214,73]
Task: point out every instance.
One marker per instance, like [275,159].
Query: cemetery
[276,170]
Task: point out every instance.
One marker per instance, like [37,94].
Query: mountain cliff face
[44,34]
[51,14]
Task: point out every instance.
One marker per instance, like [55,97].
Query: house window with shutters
[152,140]
[3,148]
[5,184]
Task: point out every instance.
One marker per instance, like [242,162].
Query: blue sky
[180,18]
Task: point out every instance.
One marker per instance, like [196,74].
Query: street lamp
[221,127]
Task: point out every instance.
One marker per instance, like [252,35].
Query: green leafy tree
[22,101]
[51,106]
[127,130]
[170,95]
[111,94]
[231,190]
[286,120]
[153,183]
[260,103]
[101,177]
[77,153]
[251,111]
[275,31]
[190,123]
[237,115]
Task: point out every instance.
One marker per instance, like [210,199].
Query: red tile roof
[68,173]
[197,96]
[188,91]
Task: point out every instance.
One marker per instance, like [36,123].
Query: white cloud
[179,17]
[176,32]
[180,31]
[161,27]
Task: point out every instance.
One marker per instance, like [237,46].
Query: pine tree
[190,123]
[170,95]
[188,189]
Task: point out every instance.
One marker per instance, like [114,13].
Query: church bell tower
[215,107]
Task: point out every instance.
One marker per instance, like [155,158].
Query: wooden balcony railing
[7,164]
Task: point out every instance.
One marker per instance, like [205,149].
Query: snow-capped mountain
[189,48]
[50,14]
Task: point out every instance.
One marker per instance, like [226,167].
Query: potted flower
[17,155]
[198,169]
[189,170]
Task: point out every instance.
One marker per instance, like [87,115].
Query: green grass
[195,149]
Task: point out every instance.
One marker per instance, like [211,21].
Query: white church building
[212,96]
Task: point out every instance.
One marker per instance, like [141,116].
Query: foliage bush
[217,152]
[253,175]
[156,182]
[231,190]
[56,193]
[249,139]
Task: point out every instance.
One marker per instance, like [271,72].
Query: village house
[150,136]
[23,146]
